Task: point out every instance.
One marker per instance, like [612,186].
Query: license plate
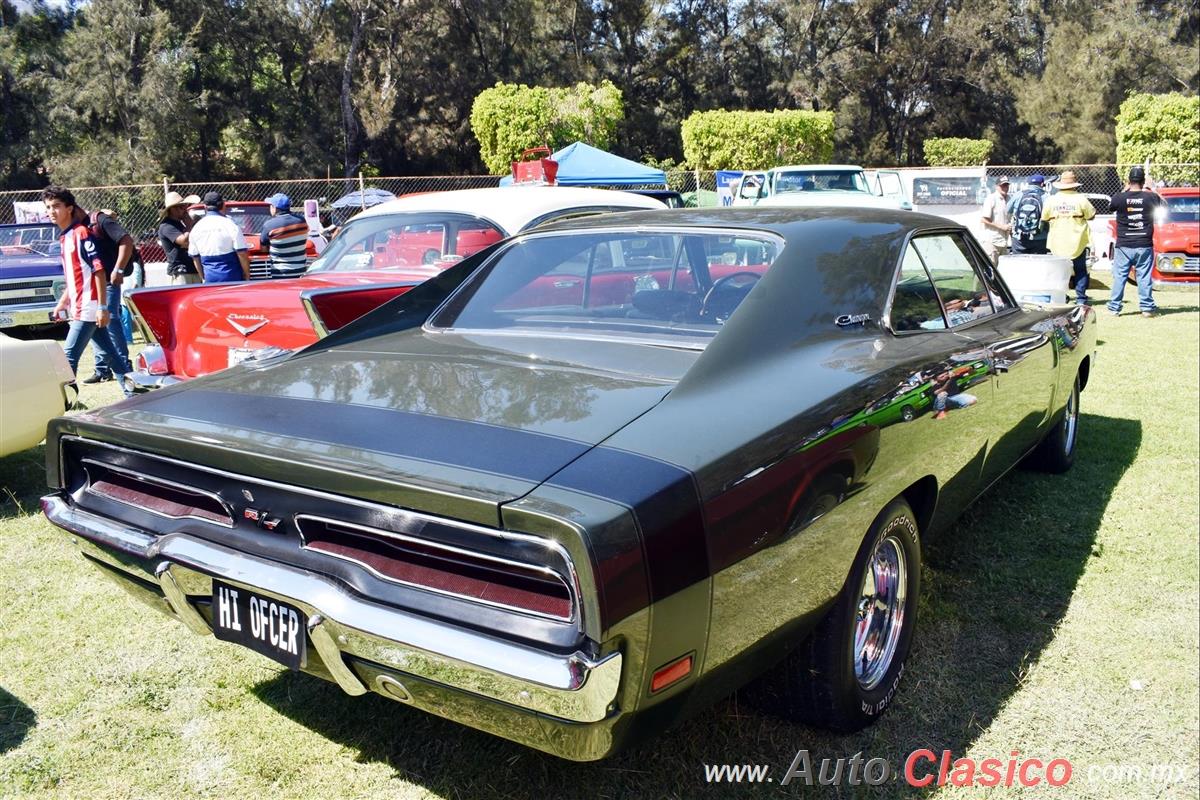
[239,354]
[267,626]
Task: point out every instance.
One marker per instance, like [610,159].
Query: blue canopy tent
[581,164]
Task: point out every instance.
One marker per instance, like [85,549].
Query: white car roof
[512,207]
[819,168]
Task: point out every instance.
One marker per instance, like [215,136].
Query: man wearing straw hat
[174,227]
[1068,213]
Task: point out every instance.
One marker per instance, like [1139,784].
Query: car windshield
[1183,208]
[406,240]
[630,284]
[839,180]
[19,241]
[249,218]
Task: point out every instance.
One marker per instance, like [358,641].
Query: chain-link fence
[138,206]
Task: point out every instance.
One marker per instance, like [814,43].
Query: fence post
[362,191]
[166,186]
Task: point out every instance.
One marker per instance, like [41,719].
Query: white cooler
[1037,279]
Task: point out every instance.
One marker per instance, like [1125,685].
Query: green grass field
[1058,619]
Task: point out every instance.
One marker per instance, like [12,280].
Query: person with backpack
[1025,210]
[86,282]
[116,250]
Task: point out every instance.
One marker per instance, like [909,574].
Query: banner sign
[950,191]
[30,212]
[725,181]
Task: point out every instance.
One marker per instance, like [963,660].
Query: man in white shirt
[995,221]
[217,246]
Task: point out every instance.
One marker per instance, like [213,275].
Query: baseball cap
[1137,175]
[1037,179]
[280,201]
[213,199]
[1003,179]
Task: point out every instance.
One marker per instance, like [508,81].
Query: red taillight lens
[157,497]
[473,576]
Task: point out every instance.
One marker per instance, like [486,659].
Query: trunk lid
[450,424]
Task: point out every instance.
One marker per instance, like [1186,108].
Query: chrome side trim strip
[158,482]
[435,545]
[576,687]
[310,309]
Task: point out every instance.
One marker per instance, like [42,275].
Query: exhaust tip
[393,688]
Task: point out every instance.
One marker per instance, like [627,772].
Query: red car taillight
[440,568]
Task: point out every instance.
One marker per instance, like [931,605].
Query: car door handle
[565,284]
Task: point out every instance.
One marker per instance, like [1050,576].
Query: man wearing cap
[217,246]
[1025,212]
[174,227]
[285,235]
[1068,213]
[995,220]
[1134,209]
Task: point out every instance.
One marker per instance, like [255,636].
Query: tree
[510,118]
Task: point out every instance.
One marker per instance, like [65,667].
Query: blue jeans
[1080,278]
[78,336]
[116,335]
[1140,260]
[1034,247]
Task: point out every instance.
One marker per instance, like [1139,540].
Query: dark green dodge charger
[597,475]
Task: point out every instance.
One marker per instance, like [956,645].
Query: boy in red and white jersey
[86,283]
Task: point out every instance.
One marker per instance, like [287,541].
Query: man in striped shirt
[285,235]
[86,284]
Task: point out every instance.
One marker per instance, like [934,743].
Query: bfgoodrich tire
[1056,453]
[846,674]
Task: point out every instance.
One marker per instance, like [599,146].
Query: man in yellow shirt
[1068,213]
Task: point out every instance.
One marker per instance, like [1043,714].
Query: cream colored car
[34,378]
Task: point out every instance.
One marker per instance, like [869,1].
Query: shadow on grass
[16,719]
[22,482]
[995,587]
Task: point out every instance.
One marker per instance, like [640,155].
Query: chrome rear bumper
[142,382]
[345,629]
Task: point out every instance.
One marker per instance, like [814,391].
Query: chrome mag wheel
[1071,421]
[879,617]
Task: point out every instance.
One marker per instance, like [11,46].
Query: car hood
[28,266]
[450,424]
[1177,237]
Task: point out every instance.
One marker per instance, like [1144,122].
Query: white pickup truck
[821,185]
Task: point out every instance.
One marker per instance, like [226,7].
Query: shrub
[509,118]
[1164,129]
[756,139]
[957,152]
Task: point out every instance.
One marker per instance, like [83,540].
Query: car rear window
[614,283]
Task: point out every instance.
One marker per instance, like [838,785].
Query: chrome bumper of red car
[346,630]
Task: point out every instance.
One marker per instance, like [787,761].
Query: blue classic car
[597,475]
[31,279]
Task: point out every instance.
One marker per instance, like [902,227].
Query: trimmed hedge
[957,152]
[1164,128]
[756,139]
[509,118]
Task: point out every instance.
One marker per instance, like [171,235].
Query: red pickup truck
[1176,238]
